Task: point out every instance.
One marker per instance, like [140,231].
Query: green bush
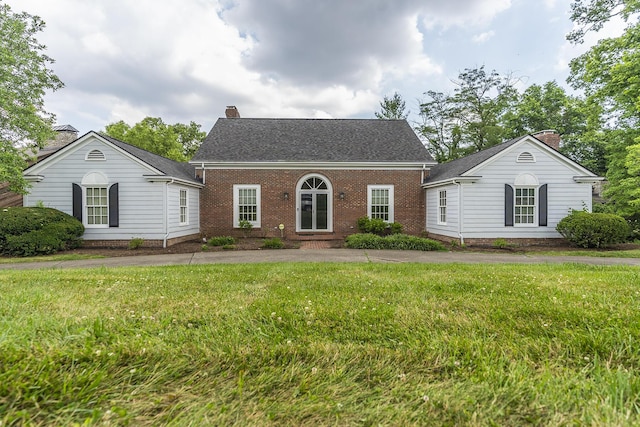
[394,241]
[274,243]
[378,226]
[136,243]
[221,241]
[593,230]
[37,231]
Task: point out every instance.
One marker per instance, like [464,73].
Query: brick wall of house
[216,202]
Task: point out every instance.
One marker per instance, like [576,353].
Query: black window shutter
[508,205]
[542,211]
[77,202]
[114,209]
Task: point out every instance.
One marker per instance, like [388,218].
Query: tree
[482,99]
[440,127]
[25,76]
[178,142]
[609,74]
[392,108]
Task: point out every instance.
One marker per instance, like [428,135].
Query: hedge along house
[316,177]
[119,192]
[518,190]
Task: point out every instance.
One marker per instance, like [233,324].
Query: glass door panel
[306,211]
[321,211]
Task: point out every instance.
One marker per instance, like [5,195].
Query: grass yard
[321,344]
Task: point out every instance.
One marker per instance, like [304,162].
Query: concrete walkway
[321,255]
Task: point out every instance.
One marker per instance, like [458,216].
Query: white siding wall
[453,209]
[193,200]
[484,200]
[141,202]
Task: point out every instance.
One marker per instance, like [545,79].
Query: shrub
[221,241]
[228,247]
[377,226]
[136,243]
[274,243]
[37,231]
[502,244]
[593,230]
[394,241]
[246,227]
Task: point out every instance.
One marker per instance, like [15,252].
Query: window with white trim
[184,207]
[97,207]
[380,202]
[442,207]
[246,204]
[525,205]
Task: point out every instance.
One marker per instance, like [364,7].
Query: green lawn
[42,258]
[321,344]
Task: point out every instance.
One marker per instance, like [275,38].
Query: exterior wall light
[285,196]
[341,195]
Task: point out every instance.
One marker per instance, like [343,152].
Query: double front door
[314,210]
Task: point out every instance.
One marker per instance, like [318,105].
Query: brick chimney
[232,112]
[549,137]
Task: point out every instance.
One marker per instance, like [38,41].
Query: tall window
[246,204]
[442,207]
[97,206]
[184,211]
[525,205]
[380,202]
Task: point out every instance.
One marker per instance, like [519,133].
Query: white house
[118,191]
[518,190]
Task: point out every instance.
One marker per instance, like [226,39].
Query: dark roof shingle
[171,168]
[312,140]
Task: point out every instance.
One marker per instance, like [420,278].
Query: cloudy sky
[185,60]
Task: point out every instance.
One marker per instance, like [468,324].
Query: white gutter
[456,180]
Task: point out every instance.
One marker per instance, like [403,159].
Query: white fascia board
[315,165]
[169,179]
[588,179]
[456,180]
[33,178]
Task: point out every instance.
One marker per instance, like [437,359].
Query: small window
[184,208]
[95,155]
[246,204]
[442,207]
[97,206]
[525,206]
[525,157]
[380,202]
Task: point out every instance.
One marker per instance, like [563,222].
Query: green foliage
[178,142]
[394,241]
[377,226]
[228,247]
[136,243]
[593,230]
[25,76]
[274,243]
[501,244]
[246,227]
[37,231]
[221,241]
[392,108]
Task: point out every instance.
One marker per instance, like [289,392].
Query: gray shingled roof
[311,140]
[171,168]
[65,128]
[455,168]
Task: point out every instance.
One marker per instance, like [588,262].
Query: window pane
[97,206]
[379,203]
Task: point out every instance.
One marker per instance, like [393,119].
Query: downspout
[204,174]
[460,211]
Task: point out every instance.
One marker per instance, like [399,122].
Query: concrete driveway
[321,255]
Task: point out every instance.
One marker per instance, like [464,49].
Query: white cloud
[483,37]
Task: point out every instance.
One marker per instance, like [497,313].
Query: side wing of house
[113,193]
[520,193]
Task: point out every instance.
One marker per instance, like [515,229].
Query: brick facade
[216,200]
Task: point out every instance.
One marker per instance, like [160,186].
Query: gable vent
[95,155]
[526,157]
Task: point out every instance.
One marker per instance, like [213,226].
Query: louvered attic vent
[526,157]
[95,155]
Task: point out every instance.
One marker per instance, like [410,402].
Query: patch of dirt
[180,248]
